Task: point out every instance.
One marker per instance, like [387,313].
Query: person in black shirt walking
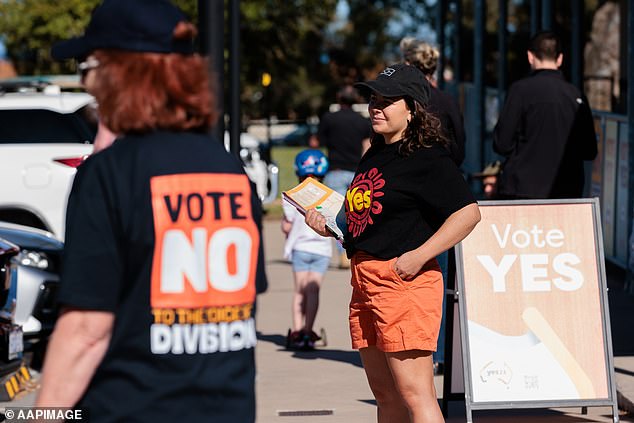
[545,130]
[407,203]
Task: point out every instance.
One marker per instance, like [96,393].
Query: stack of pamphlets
[312,194]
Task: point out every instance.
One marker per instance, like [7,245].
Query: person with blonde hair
[425,57]
[422,55]
[163,254]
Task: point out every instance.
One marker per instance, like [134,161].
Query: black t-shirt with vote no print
[396,203]
[164,230]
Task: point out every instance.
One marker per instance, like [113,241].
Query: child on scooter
[309,254]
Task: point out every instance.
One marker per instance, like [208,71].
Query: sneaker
[309,344]
[310,338]
[313,336]
[296,340]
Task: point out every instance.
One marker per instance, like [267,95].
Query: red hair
[141,92]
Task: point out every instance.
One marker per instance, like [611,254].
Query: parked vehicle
[11,340]
[300,136]
[37,271]
[45,133]
[36,276]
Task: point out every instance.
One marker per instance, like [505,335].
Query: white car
[45,133]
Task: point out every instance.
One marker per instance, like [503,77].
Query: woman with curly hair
[163,252]
[408,203]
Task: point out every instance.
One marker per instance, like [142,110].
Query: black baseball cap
[399,80]
[132,25]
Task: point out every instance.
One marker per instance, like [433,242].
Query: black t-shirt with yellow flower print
[396,203]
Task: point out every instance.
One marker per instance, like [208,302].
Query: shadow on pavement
[368,401]
[350,357]
[623,371]
[274,338]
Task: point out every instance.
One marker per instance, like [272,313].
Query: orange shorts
[393,314]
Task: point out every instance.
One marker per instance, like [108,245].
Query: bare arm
[455,229]
[317,223]
[286,225]
[77,346]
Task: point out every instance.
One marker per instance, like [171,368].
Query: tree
[31,26]
[284,38]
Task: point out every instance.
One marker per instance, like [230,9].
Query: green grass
[284,157]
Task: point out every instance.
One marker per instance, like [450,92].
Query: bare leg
[413,375]
[391,408]
[311,298]
[299,301]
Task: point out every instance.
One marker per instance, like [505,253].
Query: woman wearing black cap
[163,254]
[408,202]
